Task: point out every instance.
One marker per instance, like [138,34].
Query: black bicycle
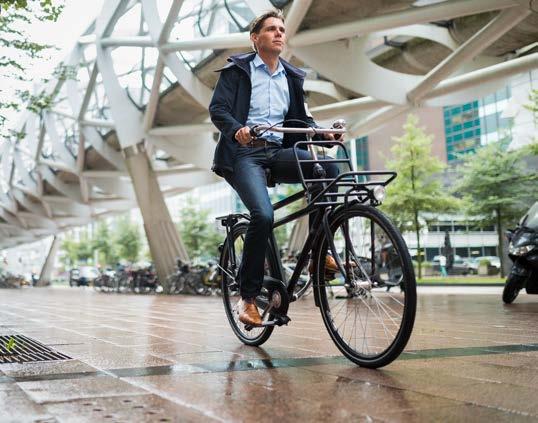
[369,324]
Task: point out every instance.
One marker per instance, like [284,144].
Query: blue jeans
[248,180]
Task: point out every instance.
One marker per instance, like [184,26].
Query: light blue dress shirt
[270,97]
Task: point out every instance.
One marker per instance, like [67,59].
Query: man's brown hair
[257,24]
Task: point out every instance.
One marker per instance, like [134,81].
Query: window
[490,251]
[460,228]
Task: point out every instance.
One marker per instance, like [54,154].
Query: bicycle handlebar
[257,129]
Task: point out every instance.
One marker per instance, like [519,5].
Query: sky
[75,18]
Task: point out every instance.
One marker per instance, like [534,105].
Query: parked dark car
[83,276]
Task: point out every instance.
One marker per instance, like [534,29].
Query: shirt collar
[257,61]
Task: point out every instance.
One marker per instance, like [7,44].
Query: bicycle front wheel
[368,323]
[230,288]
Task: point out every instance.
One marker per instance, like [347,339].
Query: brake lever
[253,133]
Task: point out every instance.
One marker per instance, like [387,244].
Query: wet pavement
[163,359]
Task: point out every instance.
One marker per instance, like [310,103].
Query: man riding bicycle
[259,88]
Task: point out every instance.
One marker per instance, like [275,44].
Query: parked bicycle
[199,279]
[369,325]
[144,280]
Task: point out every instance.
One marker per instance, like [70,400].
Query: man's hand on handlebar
[333,137]
[243,135]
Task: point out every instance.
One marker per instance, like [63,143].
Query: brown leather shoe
[330,265]
[248,314]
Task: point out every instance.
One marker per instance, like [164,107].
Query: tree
[200,237]
[102,242]
[17,46]
[70,252]
[497,187]
[76,251]
[416,190]
[127,238]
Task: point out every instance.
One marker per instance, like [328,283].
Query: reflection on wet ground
[151,358]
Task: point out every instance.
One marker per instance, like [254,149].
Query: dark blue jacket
[231,102]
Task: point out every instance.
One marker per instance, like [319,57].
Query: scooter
[523,251]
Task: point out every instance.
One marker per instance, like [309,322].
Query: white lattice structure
[133,124]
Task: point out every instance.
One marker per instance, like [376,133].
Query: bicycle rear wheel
[369,324]
[230,289]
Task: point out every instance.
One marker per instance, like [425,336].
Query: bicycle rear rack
[358,183]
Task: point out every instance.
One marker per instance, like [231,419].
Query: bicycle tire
[366,288]
[230,291]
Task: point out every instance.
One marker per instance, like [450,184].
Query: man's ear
[254,38]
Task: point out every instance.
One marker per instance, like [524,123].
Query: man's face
[272,36]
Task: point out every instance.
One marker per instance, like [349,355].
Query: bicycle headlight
[520,251]
[379,193]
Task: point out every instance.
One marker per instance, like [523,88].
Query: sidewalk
[161,359]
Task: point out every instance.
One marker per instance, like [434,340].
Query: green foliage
[36,103]
[200,237]
[16,44]
[497,181]
[63,72]
[70,250]
[103,243]
[127,239]
[497,187]
[416,190]
[46,10]
[10,344]
[123,242]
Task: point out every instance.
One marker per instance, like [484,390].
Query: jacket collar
[243,61]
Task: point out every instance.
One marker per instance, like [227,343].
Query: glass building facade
[471,125]
[361,152]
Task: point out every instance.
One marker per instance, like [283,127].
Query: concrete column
[164,242]
[46,271]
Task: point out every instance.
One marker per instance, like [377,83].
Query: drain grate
[26,350]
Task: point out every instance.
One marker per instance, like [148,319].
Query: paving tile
[211,380]
[71,389]
[44,368]
[107,356]
[16,406]
[140,408]
[455,414]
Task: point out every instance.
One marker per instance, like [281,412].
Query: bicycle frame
[317,205]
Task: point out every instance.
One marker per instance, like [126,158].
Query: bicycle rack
[358,183]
